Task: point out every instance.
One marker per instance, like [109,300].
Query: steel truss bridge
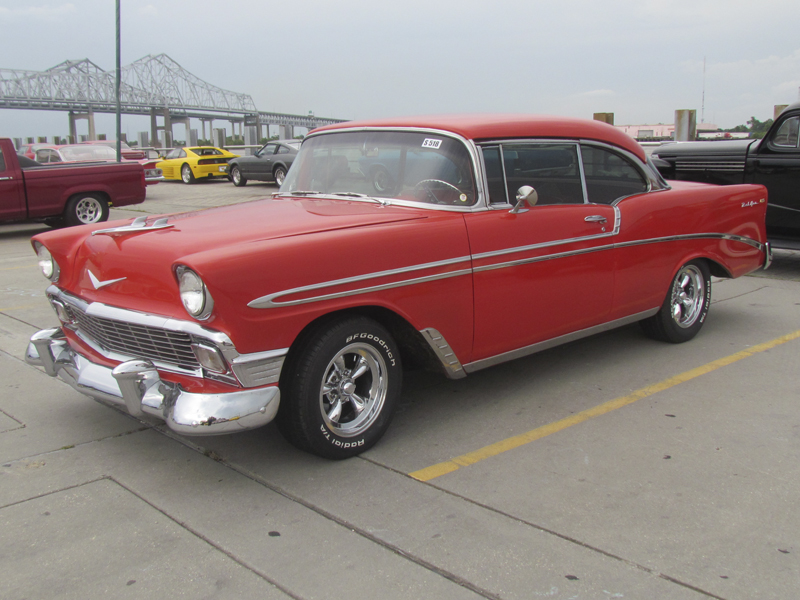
[154,86]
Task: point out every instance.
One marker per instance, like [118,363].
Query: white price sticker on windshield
[431,143]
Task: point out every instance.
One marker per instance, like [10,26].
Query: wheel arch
[415,352]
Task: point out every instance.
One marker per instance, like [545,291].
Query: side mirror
[525,194]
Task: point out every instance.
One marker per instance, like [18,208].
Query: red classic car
[482,239]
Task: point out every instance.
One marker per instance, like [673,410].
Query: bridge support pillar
[89,116]
[286,132]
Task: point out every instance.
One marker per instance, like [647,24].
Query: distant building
[661,132]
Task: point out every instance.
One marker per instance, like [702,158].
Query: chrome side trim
[551,343]
[270,300]
[534,259]
[492,254]
[452,366]
[696,236]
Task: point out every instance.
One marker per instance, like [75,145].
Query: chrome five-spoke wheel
[688,296]
[353,390]
[685,308]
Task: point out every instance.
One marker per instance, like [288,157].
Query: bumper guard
[136,385]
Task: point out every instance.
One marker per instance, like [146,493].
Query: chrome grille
[136,341]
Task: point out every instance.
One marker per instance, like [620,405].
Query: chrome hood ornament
[138,225]
[101,284]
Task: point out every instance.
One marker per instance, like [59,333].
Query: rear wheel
[340,390]
[186,174]
[83,209]
[685,308]
[280,175]
[236,176]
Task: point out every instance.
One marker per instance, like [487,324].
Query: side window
[551,168]
[609,176]
[283,150]
[787,134]
[269,150]
[2,162]
[494,175]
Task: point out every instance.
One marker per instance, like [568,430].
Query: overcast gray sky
[353,59]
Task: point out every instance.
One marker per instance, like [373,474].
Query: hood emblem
[101,284]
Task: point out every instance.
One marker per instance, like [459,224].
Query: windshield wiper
[296,193]
[381,201]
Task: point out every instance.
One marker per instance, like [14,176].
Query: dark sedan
[271,162]
[773,162]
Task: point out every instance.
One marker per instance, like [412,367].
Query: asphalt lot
[612,467]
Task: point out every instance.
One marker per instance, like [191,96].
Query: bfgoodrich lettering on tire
[340,388]
[685,307]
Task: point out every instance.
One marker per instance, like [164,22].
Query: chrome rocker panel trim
[557,341]
[137,386]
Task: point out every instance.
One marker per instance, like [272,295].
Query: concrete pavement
[689,492]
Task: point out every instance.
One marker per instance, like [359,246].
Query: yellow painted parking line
[5,308]
[16,268]
[471,458]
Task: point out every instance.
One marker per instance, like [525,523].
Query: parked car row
[87,152]
[271,162]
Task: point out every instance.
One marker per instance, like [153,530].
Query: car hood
[729,148]
[140,264]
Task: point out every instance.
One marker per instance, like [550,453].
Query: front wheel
[186,174]
[685,308]
[340,389]
[236,176]
[83,209]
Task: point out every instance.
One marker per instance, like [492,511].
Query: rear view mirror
[525,195]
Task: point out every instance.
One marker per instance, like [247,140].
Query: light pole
[119,110]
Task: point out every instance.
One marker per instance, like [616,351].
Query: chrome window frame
[478,173]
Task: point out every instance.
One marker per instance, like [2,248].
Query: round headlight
[194,296]
[47,264]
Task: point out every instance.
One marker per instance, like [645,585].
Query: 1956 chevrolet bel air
[491,237]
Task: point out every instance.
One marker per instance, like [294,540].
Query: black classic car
[271,162]
[773,161]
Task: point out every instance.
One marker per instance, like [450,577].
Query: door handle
[596,219]
[5,178]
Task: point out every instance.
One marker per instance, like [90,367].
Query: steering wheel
[429,191]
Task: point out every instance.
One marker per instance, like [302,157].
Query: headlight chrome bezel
[196,299]
[47,264]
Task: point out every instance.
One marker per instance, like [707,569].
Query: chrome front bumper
[136,385]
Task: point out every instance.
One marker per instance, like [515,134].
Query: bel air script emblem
[101,284]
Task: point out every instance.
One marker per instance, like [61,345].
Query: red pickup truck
[69,194]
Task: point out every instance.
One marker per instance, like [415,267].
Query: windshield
[422,167]
[88,152]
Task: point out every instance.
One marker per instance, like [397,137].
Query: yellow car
[195,162]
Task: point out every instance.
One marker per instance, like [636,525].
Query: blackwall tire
[686,306]
[340,388]
[85,209]
[236,177]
